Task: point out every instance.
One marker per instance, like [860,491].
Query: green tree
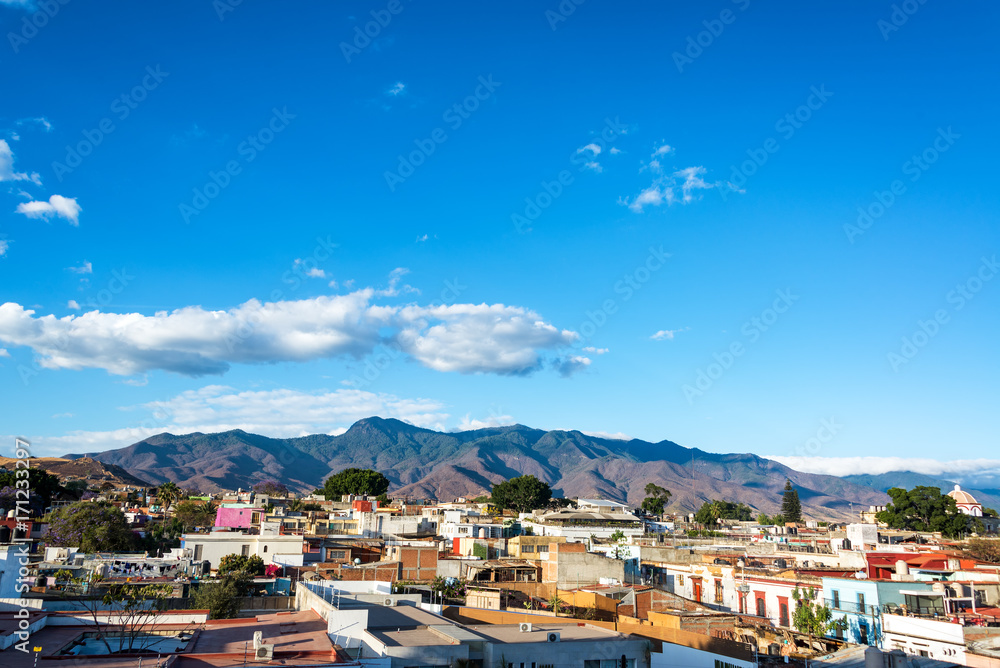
[166,494]
[813,618]
[656,499]
[136,610]
[557,604]
[522,494]
[923,509]
[194,514]
[355,481]
[252,564]
[776,520]
[90,526]
[221,598]
[791,507]
[39,481]
[618,538]
[712,511]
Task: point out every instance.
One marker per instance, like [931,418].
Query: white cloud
[593,149]
[63,207]
[616,436]
[316,272]
[663,189]
[7,172]
[422,238]
[59,416]
[468,423]
[662,150]
[958,469]
[567,366]
[615,150]
[594,166]
[4,247]
[85,268]
[40,120]
[73,304]
[192,341]
[4,353]
[667,334]
[595,351]
[396,89]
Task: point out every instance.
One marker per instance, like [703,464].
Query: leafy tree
[813,618]
[312,506]
[76,487]
[270,488]
[383,500]
[252,564]
[41,484]
[166,494]
[656,499]
[923,509]
[989,512]
[355,481]
[984,549]
[193,514]
[221,598]
[522,494]
[294,506]
[712,511]
[557,604]
[791,508]
[777,520]
[618,538]
[90,526]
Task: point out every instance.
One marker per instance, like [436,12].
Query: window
[861,603]
[718,591]
[336,554]
[198,549]
[862,633]
[609,663]
[543,548]
[783,614]
[527,548]
[680,580]
[265,548]
[836,599]
[245,550]
[761,610]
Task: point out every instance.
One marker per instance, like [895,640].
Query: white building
[273,549]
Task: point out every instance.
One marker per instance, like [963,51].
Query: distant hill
[426,463]
[82,468]
[990,498]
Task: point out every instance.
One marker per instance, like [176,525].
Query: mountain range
[424,463]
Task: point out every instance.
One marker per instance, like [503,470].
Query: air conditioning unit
[258,639]
[264,653]
[553,636]
[389,602]
[524,628]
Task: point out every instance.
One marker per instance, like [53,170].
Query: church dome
[962,497]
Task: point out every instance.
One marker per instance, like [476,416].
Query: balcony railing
[852,606]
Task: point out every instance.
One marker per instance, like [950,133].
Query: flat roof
[511,633]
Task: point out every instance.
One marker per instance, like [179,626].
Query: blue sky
[638,220]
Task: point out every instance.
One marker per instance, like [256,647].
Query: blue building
[861,602]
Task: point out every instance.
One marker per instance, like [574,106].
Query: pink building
[238,518]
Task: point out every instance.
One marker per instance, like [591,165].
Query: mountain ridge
[424,463]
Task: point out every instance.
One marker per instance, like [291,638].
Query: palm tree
[167,493]
[294,505]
